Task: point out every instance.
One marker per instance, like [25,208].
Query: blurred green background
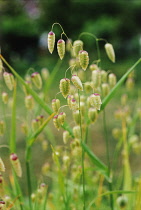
[25,24]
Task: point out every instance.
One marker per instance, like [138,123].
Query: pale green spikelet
[5,97]
[95,101]
[9,80]
[92,114]
[105,89]
[55,105]
[110,52]
[83,59]
[77,46]
[61,117]
[66,137]
[56,122]
[77,82]
[112,80]
[37,80]
[61,48]
[51,41]
[29,102]
[65,87]
[16,164]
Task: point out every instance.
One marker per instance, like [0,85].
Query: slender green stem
[29,184]
[18,190]
[12,142]
[82,159]
[108,159]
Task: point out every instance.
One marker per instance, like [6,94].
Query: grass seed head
[16,164]
[103,76]
[61,48]
[55,105]
[29,102]
[76,117]
[95,101]
[69,98]
[96,78]
[9,80]
[74,105]
[112,80]
[77,82]
[45,73]
[65,87]
[92,114]
[66,137]
[110,52]
[77,46]
[77,132]
[68,45]
[83,59]
[5,97]
[105,89]
[56,122]
[93,67]
[51,41]
[37,80]
[61,117]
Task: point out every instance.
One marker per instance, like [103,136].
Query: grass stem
[108,159]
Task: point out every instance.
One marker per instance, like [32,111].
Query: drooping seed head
[55,105]
[87,87]
[5,97]
[77,46]
[16,164]
[77,117]
[103,76]
[65,87]
[61,48]
[93,67]
[96,78]
[112,80]
[51,41]
[37,80]
[61,117]
[95,101]
[105,89]
[83,59]
[77,132]
[69,98]
[110,52]
[45,73]
[74,105]
[29,102]
[92,114]
[68,45]
[9,80]
[130,83]
[77,82]
[35,124]
[56,122]
[66,137]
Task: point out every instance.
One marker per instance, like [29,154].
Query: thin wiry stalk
[108,159]
[82,159]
